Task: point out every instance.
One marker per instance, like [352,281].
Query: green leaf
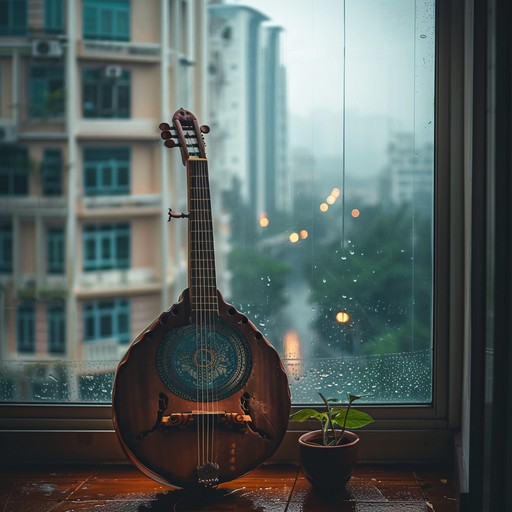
[355,419]
[306,414]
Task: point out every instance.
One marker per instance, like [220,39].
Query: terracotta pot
[328,467]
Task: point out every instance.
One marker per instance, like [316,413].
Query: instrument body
[201,397]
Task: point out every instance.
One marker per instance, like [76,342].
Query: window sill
[84,433]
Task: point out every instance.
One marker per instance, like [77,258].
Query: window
[54,16]
[46,92]
[55,250]
[105,97]
[56,328]
[14,167]
[108,20]
[106,319]
[6,248]
[106,246]
[51,172]
[26,327]
[13,18]
[106,171]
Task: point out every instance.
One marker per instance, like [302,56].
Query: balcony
[29,206]
[122,201]
[118,129]
[107,349]
[122,282]
[129,51]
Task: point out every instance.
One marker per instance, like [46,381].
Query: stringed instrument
[201,397]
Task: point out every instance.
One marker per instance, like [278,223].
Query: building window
[106,171]
[56,319]
[26,327]
[14,167]
[106,246]
[54,16]
[6,248]
[46,92]
[51,172]
[13,18]
[105,319]
[55,250]
[109,20]
[104,96]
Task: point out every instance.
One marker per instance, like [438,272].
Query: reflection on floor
[270,488]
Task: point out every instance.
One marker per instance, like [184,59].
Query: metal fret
[202,277]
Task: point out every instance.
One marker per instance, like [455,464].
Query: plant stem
[345,419]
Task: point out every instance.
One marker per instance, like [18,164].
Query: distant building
[409,175]
[248,104]
[87,259]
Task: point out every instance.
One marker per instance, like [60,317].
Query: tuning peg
[164,126]
[165,135]
[205,128]
[170,143]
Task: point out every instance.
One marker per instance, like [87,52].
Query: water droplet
[423,36]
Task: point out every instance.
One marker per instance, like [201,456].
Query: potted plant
[329,455]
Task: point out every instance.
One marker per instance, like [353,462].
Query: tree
[382,278]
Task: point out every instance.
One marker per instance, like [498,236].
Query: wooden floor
[270,488]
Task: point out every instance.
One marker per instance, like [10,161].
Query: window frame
[98,9]
[84,432]
[119,159]
[93,83]
[11,30]
[55,252]
[6,240]
[111,233]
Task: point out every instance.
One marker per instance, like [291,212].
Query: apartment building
[87,259]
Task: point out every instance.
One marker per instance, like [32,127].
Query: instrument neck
[201,275]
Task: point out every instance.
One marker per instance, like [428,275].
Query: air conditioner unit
[8,133]
[46,48]
[113,71]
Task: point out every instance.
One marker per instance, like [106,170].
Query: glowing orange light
[264,222]
[342,317]
[324,207]
[335,192]
[355,213]
[294,238]
[330,199]
[304,234]
[291,345]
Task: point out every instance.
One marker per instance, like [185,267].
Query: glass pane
[322,171]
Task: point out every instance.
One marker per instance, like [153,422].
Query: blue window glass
[106,96]
[13,18]
[106,246]
[46,91]
[26,327]
[14,167]
[55,250]
[54,16]
[6,248]
[56,323]
[51,172]
[106,171]
[108,20]
[104,319]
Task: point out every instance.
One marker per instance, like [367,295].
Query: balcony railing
[106,349]
[119,49]
[108,279]
[121,201]
[33,205]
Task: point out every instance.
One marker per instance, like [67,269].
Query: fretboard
[201,274]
